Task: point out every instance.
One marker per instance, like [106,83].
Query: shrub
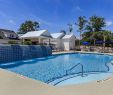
[12,42]
[27,43]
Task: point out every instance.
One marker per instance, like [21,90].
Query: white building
[61,41]
[69,42]
[36,37]
[56,41]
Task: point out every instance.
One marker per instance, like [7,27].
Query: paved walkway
[13,84]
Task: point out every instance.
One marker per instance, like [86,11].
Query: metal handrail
[108,69]
[82,67]
[82,71]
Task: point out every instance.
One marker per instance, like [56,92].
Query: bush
[27,43]
[12,42]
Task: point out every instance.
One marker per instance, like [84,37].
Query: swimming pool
[64,69]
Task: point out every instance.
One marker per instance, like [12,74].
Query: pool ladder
[82,69]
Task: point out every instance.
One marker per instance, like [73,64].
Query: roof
[5,30]
[57,35]
[8,34]
[34,34]
[68,36]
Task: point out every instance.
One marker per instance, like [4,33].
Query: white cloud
[109,23]
[11,21]
[76,8]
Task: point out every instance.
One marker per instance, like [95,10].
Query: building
[56,41]
[36,37]
[61,41]
[69,42]
[7,35]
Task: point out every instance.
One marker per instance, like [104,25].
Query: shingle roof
[6,34]
[5,30]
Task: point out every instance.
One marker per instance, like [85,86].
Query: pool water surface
[64,69]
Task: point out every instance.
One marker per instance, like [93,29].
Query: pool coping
[68,52]
[15,84]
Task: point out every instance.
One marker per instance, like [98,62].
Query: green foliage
[28,26]
[81,24]
[97,36]
[70,28]
[95,23]
[63,31]
[12,42]
[27,43]
[92,30]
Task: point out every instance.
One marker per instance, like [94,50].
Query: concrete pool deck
[14,84]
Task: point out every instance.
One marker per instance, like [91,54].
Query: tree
[81,25]
[95,24]
[63,31]
[29,26]
[70,28]
[103,35]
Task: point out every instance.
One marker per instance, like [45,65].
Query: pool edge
[14,84]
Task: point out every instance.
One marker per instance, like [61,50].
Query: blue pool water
[64,69]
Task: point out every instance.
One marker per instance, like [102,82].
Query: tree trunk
[104,44]
[94,42]
[80,40]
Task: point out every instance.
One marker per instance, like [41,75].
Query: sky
[53,15]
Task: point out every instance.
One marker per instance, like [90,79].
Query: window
[1,37]
[11,36]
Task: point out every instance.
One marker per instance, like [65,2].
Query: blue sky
[53,15]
